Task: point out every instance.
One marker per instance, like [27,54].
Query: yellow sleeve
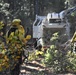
[73,38]
[21,32]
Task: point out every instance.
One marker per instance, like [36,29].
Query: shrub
[11,47]
[59,58]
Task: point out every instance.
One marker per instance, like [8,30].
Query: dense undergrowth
[60,58]
[12,45]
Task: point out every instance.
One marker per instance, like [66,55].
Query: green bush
[58,58]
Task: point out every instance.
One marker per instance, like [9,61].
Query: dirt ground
[36,68]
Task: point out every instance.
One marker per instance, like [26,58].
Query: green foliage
[54,37]
[11,49]
[59,59]
[73,14]
[1,25]
[38,73]
[35,55]
[32,56]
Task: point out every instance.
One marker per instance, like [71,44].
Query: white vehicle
[44,26]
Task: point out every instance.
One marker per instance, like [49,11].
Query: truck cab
[44,26]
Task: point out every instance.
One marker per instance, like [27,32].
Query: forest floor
[37,68]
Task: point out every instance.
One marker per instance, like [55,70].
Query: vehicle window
[37,22]
[55,20]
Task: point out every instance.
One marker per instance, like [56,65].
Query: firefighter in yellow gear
[73,41]
[16,37]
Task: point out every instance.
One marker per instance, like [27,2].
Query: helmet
[16,22]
